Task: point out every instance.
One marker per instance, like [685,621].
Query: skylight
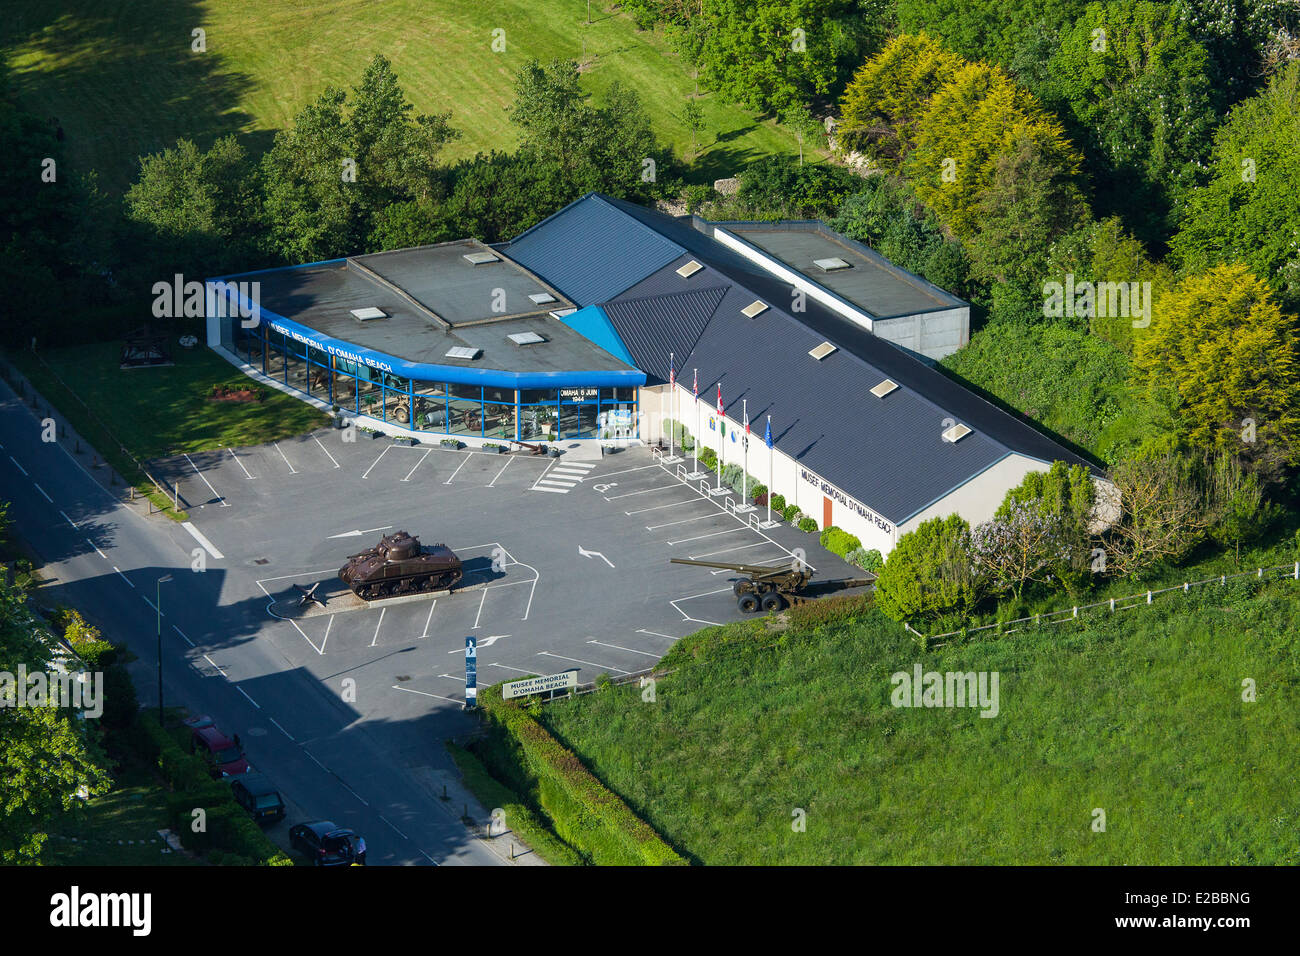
[369,313]
[833,264]
[821,351]
[884,388]
[689,269]
[525,338]
[461,352]
[541,298]
[754,308]
[481,258]
[956,433]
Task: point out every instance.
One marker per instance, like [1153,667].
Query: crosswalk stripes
[561,478]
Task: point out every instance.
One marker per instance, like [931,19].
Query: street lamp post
[158,608]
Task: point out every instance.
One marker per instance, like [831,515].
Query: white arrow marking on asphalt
[359,533]
[485,642]
[594,554]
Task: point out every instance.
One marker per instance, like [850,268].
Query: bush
[807,524]
[778,503]
[449,442]
[838,541]
[789,512]
[930,571]
[760,499]
[867,560]
[709,458]
[757,490]
[837,609]
[679,435]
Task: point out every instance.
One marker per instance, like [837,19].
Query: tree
[1227,361]
[693,119]
[930,570]
[1063,502]
[1249,212]
[777,187]
[1021,544]
[992,30]
[1163,513]
[800,121]
[1239,509]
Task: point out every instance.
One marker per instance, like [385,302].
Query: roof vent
[689,269]
[481,258]
[834,264]
[461,352]
[755,308]
[368,314]
[525,338]
[821,351]
[541,298]
[561,313]
[884,388]
[956,433]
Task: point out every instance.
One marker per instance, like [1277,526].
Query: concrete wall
[930,335]
[979,498]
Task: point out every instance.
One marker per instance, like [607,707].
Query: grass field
[118,829]
[120,76]
[1140,715]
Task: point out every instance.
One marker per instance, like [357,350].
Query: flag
[672,372]
[722,416]
[767,436]
[720,411]
[695,385]
[747,423]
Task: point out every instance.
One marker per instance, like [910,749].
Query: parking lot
[566,560]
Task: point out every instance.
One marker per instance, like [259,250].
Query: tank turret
[399,564]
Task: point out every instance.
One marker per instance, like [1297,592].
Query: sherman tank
[399,564]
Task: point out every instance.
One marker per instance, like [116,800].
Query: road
[104,558]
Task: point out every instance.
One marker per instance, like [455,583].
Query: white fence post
[1148,597]
[1112,604]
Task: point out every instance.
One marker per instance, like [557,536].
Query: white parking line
[509,668]
[611,474]
[224,502]
[671,504]
[743,547]
[642,630]
[426,454]
[428,619]
[292,470]
[328,625]
[569,473]
[577,661]
[481,602]
[238,462]
[198,536]
[43,494]
[424,693]
[216,665]
[711,535]
[646,492]
[501,472]
[669,524]
[366,473]
[122,576]
[326,451]
[97,551]
[69,520]
[249,699]
[566,485]
[378,624]
[630,650]
[458,468]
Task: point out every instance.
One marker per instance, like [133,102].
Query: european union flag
[767,435]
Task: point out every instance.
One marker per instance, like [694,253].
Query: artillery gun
[773,586]
[399,564]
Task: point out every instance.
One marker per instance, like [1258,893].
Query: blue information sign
[471,673]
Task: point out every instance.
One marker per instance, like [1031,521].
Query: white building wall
[935,335]
[979,498]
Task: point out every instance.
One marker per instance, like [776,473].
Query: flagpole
[672,419]
[722,437]
[769,471]
[695,390]
[744,476]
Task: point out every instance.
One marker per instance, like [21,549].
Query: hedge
[230,831]
[585,813]
[838,541]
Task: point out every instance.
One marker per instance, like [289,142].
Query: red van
[223,758]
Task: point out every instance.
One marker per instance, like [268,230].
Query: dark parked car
[328,845]
[223,757]
[256,794]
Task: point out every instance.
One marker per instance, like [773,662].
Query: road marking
[509,668]
[367,472]
[328,625]
[594,554]
[481,602]
[642,630]
[346,534]
[428,619]
[150,603]
[501,472]
[743,547]
[713,534]
[424,693]
[97,551]
[216,665]
[648,491]
[43,494]
[554,491]
[457,471]
[182,634]
[669,524]
[238,462]
[20,467]
[630,650]
[315,761]
[692,597]
[569,473]
[610,474]
[326,451]
[281,729]
[378,625]
[198,536]
[223,501]
[292,470]
[417,464]
[485,642]
[554,485]
[395,830]
[577,661]
[122,576]
[250,700]
[69,520]
[671,504]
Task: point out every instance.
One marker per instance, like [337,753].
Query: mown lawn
[121,78]
[117,829]
[162,411]
[1140,715]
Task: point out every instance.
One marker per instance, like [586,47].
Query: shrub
[789,512]
[837,609]
[757,489]
[807,524]
[867,560]
[760,499]
[449,442]
[778,503]
[708,458]
[931,570]
[838,541]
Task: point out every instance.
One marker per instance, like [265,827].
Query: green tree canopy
[930,571]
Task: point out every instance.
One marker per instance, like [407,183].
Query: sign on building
[539,685]
[583,394]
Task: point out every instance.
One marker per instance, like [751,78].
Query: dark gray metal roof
[655,326]
[591,251]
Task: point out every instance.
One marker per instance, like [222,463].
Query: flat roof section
[460,291]
[321,298]
[871,282]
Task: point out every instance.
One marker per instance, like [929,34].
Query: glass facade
[440,408]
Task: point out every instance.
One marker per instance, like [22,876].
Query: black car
[256,794]
[328,845]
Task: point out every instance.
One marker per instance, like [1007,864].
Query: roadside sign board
[539,685]
[471,672]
